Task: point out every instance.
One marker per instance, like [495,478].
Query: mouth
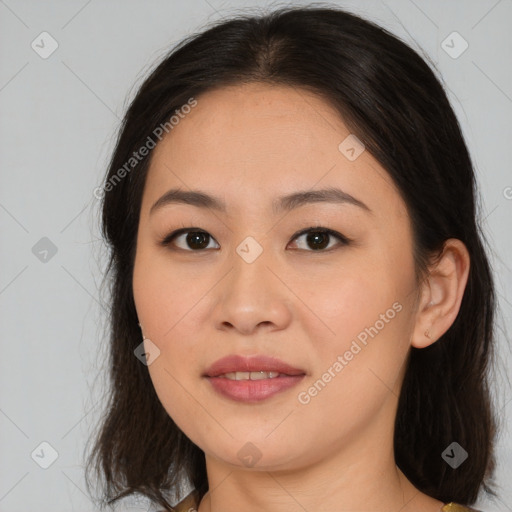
[252,379]
[251,375]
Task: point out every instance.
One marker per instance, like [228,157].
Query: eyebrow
[285,203]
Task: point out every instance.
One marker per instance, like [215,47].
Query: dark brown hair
[390,98]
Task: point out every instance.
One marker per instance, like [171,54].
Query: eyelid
[167,239]
[322,229]
[344,240]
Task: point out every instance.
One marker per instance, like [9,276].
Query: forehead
[256,121]
[256,141]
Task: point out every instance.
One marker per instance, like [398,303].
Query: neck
[360,476]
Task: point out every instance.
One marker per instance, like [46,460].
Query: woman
[302,306]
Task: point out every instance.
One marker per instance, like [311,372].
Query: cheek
[163,303]
[357,373]
[352,295]
[366,320]
[162,295]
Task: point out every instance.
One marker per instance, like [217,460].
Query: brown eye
[193,240]
[317,239]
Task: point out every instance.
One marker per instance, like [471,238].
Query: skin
[248,144]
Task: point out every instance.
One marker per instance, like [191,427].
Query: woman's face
[340,313]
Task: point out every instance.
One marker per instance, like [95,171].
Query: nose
[253,296]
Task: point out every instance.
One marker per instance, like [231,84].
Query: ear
[441,294]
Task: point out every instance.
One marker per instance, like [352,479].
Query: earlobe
[441,294]
[142,331]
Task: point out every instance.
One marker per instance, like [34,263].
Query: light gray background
[59,117]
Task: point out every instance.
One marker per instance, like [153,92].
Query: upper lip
[237,363]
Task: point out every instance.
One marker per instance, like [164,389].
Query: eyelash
[168,239]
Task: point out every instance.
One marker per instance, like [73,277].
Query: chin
[256,452]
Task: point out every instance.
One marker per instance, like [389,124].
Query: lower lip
[253,390]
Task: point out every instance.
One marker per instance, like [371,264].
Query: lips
[259,363]
[240,379]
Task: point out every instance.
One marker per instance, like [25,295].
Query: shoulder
[456,507]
